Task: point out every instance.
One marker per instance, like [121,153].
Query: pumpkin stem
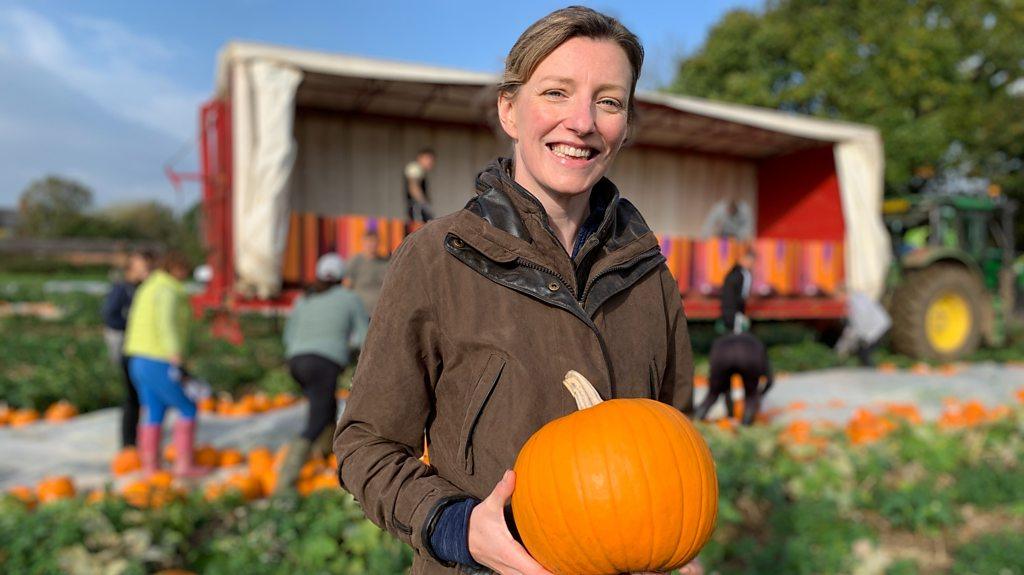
[581,389]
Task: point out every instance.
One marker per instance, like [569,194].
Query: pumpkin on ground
[60,411]
[249,486]
[620,486]
[22,417]
[55,489]
[230,458]
[207,456]
[126,461]
[24,494]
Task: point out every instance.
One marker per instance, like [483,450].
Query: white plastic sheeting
[263,113]
[868,251]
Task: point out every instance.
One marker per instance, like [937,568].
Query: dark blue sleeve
[115,307]
[450,538]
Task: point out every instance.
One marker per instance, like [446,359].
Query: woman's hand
[490,542]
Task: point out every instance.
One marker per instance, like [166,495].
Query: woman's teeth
[567,151]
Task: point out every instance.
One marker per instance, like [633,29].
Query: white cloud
[106,62]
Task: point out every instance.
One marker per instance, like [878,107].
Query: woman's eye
[554,93]
[610,103]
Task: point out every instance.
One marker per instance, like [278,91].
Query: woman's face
[569,119]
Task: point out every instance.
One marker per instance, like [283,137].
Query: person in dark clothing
[325,326]
[417,196]
[115,319]
[740,354]
[735,290]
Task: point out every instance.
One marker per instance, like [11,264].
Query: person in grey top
[325,325]
[729,219]
[866,323]
[365,274]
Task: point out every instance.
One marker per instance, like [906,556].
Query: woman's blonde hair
[545,35]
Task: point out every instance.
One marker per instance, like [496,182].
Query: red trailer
[299,148]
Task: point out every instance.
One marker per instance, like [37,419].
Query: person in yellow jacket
[155,340]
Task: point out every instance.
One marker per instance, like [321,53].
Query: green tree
[942,79]
[53,207]
[141,221]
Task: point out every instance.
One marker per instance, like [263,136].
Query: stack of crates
[783,268]
[311,236]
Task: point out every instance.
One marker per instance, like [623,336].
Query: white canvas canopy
[269,85]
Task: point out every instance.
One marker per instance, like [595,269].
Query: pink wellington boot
[149,447]
[184,450]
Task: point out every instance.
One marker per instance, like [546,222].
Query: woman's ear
[506,105]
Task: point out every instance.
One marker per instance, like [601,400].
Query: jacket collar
[502,203]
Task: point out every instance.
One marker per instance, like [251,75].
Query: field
[887,493]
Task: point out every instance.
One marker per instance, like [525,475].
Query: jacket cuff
[429,522]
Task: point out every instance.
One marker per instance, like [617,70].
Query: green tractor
[953,279]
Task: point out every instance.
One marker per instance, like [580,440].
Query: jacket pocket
[481,393]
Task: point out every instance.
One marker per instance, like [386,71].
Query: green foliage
[903,567]
[803,357]
[781,510]
[996,554]
[323,533]
[42,361]
[933,76]
[53,207]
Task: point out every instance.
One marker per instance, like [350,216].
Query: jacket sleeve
[113,307]
[380,437]
[677,381]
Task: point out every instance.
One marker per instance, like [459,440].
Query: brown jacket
[481,315]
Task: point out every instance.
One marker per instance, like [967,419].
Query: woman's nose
[581,116]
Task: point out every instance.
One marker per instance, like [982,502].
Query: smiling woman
[546,270]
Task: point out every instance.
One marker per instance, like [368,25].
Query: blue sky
[108,91]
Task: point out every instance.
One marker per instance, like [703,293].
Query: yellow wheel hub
[948,322]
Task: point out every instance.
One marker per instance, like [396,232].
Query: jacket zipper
[538,267]
[626,264]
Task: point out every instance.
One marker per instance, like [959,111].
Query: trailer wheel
[937,313]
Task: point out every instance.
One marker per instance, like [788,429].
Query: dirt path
[84,446]
[822,391]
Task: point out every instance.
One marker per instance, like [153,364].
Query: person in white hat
[325,325]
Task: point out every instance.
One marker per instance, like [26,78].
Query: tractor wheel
[937,313]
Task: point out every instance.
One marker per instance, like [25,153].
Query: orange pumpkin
[208,404]
[261,402]
[283,400]
[22,417]
[230,458]
[225,407]
[161,479]
[170,453]
[55,489]
[5,415]
[60,411]
[126,461]
[96,496]
[207,456]
[261,460]
[25,495]
[619,486]
[137,493]
[249,486]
